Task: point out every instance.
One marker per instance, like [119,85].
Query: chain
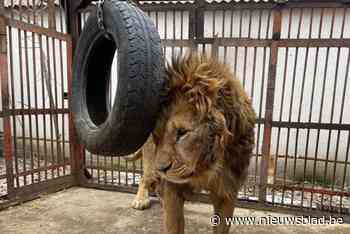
[100,22]
[100,19]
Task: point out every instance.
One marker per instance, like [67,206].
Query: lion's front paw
[141,203]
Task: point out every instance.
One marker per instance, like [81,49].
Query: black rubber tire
[124,128]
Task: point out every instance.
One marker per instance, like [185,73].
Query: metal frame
[27,180]
[101,167]
[106,172]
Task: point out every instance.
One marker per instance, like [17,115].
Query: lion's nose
[164,167]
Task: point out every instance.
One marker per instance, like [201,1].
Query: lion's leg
[142,200]
[223,207]
[173,205]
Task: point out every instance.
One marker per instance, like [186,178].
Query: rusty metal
[73,23]
[247,37]
[4,79]
[22,102]
[277,18]
[246,48]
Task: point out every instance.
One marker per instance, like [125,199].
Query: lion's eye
[180,133]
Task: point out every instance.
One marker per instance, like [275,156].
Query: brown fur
[203,140]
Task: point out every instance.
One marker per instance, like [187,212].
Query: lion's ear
[155,138]
[219,123]
[221,130]
[156,134]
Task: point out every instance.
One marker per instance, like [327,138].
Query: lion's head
[207,124]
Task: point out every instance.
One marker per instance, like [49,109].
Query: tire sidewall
[98,138]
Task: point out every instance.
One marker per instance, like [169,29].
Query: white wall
[337,59]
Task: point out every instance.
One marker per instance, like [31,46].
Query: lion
[203,140]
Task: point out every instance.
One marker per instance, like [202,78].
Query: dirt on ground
[81,210]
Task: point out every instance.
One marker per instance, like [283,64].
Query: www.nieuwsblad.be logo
[216,220]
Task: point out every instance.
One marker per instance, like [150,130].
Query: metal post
[52,15]
[270,97]
[76,149]
[5,95]
[196,23]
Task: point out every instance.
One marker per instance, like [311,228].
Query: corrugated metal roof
[26,3]
[31,3]
[210,1]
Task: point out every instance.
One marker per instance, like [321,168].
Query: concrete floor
[80,210]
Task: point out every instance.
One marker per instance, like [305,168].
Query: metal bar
[91,164]
[62,104]
[119,171]
[172,48]
[181,29]
[204,198]
[322,105]
[312,190]
[44,186]
[5,95]
[14,124]
[261,101]
[292,98]
[35,89]
[61,16]
[321,108]
[311,104]
[41,55]
[247,42]
[76,149]
[55,105]
[345,168]
[260,5]
[332,107]
[126,173]
[105,172]
[39,139]
[301,100]
[46,66]
[29,103]
[253,87]
[22,95]
[37,29]
[213,25]
[301,157]
[199,19]
[166,25]
[341,117]
[98,168]
[34,191]
[277,17]
[282,102]
[112,166]
[254,61]
[51,14]
[40,169]
[39,111]
[314,43]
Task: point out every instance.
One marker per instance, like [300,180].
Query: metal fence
[35,60]
[293,60]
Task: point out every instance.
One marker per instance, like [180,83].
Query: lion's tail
[135,156]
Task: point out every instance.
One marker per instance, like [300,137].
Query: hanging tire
[123,128]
